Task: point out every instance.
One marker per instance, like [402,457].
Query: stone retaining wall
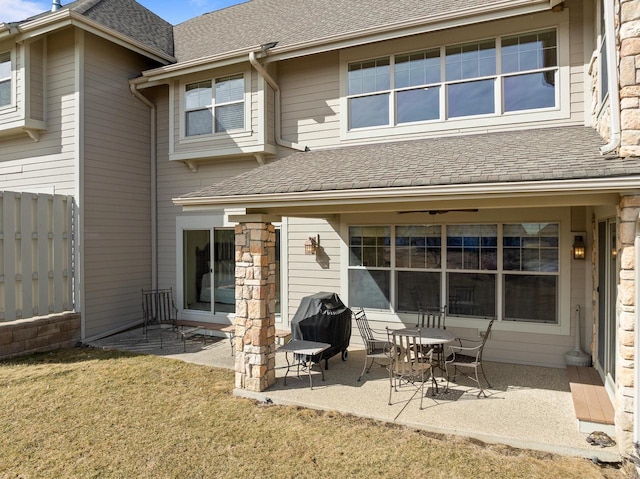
[40,334]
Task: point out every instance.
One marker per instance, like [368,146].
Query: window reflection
[471,98]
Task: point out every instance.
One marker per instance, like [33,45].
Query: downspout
[612,80]
[154,193]
[278,107]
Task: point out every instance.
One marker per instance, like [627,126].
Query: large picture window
[214,106]
[5,79]
[491,77]
[481,269]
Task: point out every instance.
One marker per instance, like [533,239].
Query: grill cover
[323,317]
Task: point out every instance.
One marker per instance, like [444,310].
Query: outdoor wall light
[578,248]
[312,245]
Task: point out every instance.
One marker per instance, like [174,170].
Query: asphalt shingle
[290,22]
[559,153]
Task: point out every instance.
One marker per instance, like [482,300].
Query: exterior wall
[310,274]
[629,49]
[628,214]
[36,80]
[39,335]
[48,165]
[176,179]
[218,144]
[116,198]
[314,115]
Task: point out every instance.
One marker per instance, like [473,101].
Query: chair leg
[479,384]
[365,369]
[485,376]
[446,371]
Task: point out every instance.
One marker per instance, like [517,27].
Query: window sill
[193,158]
[32,128]
[185,140]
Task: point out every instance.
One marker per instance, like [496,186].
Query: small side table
[302,347]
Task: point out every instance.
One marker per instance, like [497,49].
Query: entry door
[607,287]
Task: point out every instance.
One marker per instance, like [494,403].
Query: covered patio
[527,407]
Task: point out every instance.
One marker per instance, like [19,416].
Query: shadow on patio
[527,407]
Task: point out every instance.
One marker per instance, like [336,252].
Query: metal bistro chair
[434,318]
[469,357]
[158,308]
[408,365]
[375,348]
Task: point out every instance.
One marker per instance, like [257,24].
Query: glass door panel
[224,293]
[607,287]
[196,275]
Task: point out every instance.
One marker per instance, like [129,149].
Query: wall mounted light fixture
[312,245]
[578,248]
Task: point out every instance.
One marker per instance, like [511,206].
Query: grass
[85,413]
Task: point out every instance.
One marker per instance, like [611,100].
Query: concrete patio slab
[527,406]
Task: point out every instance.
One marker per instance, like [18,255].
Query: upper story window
[492,77]
[5,79]
[214,106]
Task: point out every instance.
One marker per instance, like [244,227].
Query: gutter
[612,80]
[278,102]
[154,189]
[457,18]
[421,193]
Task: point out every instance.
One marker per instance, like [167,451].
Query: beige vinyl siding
[310,99]
[48,165]
[36,110]
[117,185]
[310,274]
[176,179]
[311,105]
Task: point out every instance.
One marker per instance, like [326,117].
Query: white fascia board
[200,64]
[437,192]
[64,18]
[391,31]
[505,9]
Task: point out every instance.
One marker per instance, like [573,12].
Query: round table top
[428,335]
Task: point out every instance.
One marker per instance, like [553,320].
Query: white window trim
[564,275]
[12,106]
[562,110]
[220,219]
[239,133]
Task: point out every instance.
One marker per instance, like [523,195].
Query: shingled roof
[290,22]
[127,17]
[559,153]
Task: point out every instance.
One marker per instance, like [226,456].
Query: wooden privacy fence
[36,254]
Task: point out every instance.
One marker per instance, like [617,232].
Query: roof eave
[505,9]
[421,193]
[66,17]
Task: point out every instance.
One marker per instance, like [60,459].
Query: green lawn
[84,413]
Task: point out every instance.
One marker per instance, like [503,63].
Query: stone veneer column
[255,304]
[628,211]
[628,39]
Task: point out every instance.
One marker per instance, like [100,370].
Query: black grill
[323,317]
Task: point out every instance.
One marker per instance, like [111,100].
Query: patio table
[430,337]
[304,351]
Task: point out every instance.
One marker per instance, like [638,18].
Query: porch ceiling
[537,167]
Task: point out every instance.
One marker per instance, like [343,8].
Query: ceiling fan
[440,212]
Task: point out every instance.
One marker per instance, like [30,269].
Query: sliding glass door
[208,270]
